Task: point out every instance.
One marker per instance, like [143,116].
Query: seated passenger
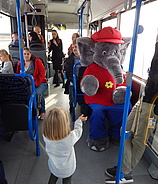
[72,59]
[34,66]
[15,41]
[69,63]
[74,37]
[7,63]
[34,41]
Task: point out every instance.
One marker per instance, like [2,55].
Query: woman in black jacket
[56,46]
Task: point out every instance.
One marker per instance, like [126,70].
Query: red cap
[108,34]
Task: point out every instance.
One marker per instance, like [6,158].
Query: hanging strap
[127,4]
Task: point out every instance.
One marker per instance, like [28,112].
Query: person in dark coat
[71,60]
[56,46]
[34,41]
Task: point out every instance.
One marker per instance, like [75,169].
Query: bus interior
[21,163]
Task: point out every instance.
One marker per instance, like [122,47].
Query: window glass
[112,23]
[146,40]
[5,32]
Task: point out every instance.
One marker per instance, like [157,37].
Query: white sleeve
[6,67]
[77,130]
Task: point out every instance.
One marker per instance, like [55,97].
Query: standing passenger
[56,46]
[60,141]
[74,37]
[7,63]
[37,29]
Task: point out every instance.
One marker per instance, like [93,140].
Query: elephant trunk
[115,69]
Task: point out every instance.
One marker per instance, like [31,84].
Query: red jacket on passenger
[39,71]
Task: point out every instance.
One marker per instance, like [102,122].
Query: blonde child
[59,144]
[7,63]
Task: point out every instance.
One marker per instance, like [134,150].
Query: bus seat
[136,87]
[41,53]
[14,52]
[74,93]
[18,106]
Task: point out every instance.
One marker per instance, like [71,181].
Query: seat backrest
[14,52]
[14,101]
[41,53]
[14,90]
[137,85]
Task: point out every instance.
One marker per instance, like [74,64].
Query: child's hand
[82,118]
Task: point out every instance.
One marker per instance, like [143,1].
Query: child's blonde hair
[5,53]
[56,124]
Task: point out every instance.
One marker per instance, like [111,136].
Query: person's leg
[98,137]
[53,179]
[137,141]
[56,78]
[2,174]
[39,91]
[115,114]
[62,77]
[131,124]
[134,145]
[97,122]
[71,97]
[67,180]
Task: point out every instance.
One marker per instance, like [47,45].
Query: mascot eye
[115,51]
[104,52]
[122,51]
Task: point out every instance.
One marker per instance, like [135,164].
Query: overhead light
[58,1]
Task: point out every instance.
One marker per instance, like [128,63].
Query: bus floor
[22,166]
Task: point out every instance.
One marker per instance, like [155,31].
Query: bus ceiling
[65,12]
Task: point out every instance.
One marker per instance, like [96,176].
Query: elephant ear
[123,48]
[86,49]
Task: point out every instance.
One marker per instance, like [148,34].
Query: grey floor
[22,166]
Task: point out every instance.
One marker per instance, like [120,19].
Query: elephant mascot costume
[103,85]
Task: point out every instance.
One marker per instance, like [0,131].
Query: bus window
[112,23]
[5,32]
[146,41]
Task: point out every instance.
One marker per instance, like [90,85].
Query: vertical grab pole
[81,20]
[20,35]
[88,9]
[136,30]
[80,13]
[26,28]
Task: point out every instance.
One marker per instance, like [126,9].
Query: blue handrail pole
[81,21]
[80,13]
[119,175]
[20,35]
